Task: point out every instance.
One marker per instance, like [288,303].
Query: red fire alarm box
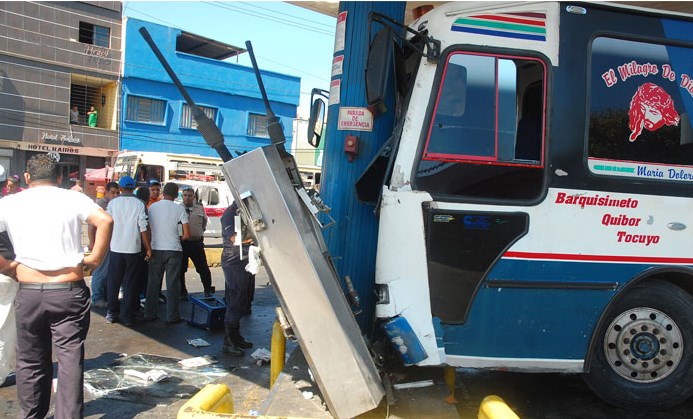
[351,146]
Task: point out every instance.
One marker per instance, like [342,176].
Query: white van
[215,197]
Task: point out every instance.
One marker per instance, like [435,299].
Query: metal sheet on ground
[180,383]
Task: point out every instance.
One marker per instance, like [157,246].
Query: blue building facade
[156,117]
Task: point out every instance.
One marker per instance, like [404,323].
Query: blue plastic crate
[207,312]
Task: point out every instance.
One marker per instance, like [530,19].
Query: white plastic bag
[253,265]
[8,328]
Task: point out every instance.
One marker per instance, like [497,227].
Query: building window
[639,110]
[257,126]
[87,92]
[94,34]
[186,117]
[145,110]
[485,136]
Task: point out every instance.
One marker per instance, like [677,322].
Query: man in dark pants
[52,304]
[194,247]
[237,281]
[129,235]
[99,278]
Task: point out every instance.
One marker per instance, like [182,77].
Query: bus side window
[141,173]
[528,142]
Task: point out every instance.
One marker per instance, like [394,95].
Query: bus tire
[643,353]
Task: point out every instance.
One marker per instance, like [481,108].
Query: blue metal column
[353,240]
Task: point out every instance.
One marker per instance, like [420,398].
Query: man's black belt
[47,286]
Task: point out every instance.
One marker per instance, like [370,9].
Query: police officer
[194,247]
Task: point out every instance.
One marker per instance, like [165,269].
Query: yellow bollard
[449,377]
[213,398]
[493,407]
[278,350]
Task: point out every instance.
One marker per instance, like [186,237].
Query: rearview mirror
[316,122]
[378,69]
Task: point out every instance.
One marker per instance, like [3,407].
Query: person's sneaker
[111,320]
[209,292]
[99,304]
[162,297]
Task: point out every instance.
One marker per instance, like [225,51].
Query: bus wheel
[643,354]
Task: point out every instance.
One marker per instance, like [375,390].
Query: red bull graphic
[651,108]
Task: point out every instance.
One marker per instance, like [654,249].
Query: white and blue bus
[543,168]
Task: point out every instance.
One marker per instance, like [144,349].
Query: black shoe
[184,297]
[162,298]
[129,322]
[209,292]
[172,322]
[242,343]
[232,350]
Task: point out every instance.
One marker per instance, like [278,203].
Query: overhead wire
[265,16]
[326,25]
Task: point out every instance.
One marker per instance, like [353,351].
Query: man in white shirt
[44,224]
[129,234]
[167,254]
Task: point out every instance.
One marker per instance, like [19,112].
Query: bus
[201,173]
[166,167]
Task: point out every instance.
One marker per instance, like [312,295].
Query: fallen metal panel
[307,285]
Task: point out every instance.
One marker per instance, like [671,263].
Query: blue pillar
[353,240]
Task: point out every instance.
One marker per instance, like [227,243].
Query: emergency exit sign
[355,119]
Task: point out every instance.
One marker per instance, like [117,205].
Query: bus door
[482,161]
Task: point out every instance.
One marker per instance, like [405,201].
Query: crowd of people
[137,236]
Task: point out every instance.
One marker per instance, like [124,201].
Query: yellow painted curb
[213,257]
[493,407]
[214,401]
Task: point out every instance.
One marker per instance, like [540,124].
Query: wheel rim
[643,345]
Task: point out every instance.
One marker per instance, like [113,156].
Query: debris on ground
[261,355]
[198,343]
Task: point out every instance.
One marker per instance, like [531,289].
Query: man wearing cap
[154,191]
[52,304]
[194,247]
[129,234]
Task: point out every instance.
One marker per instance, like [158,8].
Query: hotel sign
[60,139]
[56,148]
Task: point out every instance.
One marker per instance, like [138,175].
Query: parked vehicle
[145,165]
[215,197]
[202,173]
